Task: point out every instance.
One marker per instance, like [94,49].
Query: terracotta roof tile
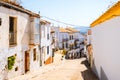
[72,30]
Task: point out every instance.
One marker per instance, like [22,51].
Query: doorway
[27,61]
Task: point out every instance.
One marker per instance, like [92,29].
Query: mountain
[82,29]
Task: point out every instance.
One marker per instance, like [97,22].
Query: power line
[60,21]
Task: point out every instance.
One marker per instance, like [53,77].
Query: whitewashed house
[89,38]
[19,40]
[69,38]
[46,49]
[106,44]
[63,38]
[55,35]
[74,37]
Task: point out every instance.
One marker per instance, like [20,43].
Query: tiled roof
[17,7]
[64,30]
[44,21]
[72,29]
[114,11]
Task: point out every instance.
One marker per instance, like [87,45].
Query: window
[47,49]
[34,54]
[66,45]
[12,30]
[63,45]
[48,33]
[48,36]
[72,36]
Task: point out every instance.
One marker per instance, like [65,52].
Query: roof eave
[8,5]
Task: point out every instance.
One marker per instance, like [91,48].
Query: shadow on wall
[103,75]
[94,68]
[88,74]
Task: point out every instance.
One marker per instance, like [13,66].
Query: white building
[46,49]
[75,37]
[63,38]
[19,40]
[69,38]
[106,44]
[55,35]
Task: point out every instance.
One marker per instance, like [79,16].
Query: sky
[75,12]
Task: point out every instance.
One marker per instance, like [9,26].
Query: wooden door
[27,61]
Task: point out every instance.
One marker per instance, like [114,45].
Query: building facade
[55,35]
[69,38]
[46,50]
[105,42]
[20,45]
[63,38]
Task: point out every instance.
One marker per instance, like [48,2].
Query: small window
[63,45]
[16,69]
[66,45]
[34,54]
[72,36]
[48,36]
[47,49]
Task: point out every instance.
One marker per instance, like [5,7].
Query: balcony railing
[12,38]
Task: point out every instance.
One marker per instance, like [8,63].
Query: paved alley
[63,70]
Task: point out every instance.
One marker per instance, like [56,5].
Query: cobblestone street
[61,70]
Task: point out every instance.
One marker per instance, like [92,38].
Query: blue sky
[77,12]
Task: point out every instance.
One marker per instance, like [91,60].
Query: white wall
[62,35]
[23,39]
[106,48]
[22,35]
[56,36]
[34,65]
[44,41]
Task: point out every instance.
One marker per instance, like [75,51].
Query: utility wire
[60,21]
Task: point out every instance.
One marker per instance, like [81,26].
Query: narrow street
[61,70]
[68,70]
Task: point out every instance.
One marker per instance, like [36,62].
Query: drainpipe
[40,41]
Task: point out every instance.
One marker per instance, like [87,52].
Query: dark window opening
[16,69]
[47,49]
[66,45]
[48,36]
[12,30]
[34,54]
[63,45]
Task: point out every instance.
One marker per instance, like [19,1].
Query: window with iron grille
[12,30]
[47,49]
